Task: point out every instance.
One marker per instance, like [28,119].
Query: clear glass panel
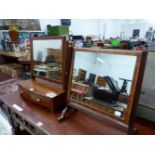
[103,81]
[47,56]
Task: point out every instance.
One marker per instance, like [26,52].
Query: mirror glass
[47,58]
[103,81]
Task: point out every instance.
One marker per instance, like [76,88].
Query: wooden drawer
[37,98]
[24,92]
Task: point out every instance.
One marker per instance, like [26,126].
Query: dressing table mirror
[48,68]
[106,83]
[47,59]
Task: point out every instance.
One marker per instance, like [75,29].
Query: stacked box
[57,30]
[14,70]
[5,69]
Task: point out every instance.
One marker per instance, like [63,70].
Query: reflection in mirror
[103,81]
[47,57]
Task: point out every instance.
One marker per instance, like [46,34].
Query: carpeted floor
[6,87]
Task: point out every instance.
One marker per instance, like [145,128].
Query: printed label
[39,124]
[17,107]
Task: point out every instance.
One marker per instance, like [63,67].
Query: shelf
[21,31]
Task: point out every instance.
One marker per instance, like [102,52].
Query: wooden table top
[12,54]
[77,124]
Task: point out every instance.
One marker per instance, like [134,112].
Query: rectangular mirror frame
[126,124]
[64,48]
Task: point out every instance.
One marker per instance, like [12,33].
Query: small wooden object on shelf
[81,75]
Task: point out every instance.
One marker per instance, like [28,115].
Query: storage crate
[5,69]
[14,70]
[57,30]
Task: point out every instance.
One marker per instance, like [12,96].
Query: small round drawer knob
[38,99]
[21,92]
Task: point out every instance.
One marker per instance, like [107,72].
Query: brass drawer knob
[21,92]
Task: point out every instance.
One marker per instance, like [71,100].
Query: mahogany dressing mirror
[106,83]
[48,58]
[47,87]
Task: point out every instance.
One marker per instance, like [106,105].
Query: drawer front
[36,98]
[43,101]
[24,92]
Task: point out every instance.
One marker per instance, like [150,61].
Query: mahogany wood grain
[76,124]
[79,123]
[144,127]
[38,92]
[110,51]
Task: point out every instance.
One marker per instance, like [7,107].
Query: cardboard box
[14,70]
[57,30]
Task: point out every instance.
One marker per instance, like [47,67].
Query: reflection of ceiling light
[99,59]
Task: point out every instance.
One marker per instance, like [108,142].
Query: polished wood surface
[79,123]
[43,93]
[136,88]
[110,51]
[76,124]
[40,86]
[144,127]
